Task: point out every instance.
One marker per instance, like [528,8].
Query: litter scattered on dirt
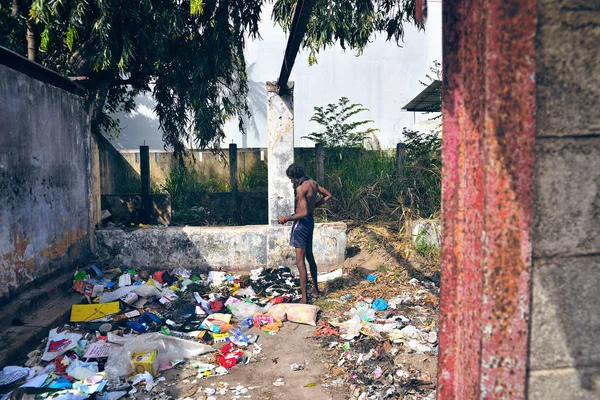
[133,325]
[138,333]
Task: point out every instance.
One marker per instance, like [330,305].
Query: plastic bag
[349,329]
[60,343]
[338,273]
[380,305]
[242,310]
[140,290]
[168,347]
[82,370]
[364,313]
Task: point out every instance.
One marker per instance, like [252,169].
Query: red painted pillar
[488,153]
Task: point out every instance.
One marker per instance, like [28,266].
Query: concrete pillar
[280,122]
[320,163]
[145,178]
[489,106]
[400,156]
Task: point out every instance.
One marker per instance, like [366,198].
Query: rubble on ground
[134,324]
[376,335]
[380,336]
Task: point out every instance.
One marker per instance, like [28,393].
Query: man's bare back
[310,190]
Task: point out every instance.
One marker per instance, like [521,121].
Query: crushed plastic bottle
[247,324]
[238,337]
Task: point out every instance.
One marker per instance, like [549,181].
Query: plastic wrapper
[82,370]
[140,290]
[169,348]
[364,313]
[59,343]
[242,310]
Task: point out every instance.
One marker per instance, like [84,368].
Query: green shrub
[365,185]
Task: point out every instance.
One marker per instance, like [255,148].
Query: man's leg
[313,270]
[300,253]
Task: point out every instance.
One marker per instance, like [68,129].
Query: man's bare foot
[303,301]
[315,293]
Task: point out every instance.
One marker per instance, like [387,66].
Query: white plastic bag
[338,273]
[82,370]
[141,290]
[242,310]
[168,348]
[364,313]
[59,343]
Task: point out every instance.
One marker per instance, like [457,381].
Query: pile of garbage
[370,344]
[132,325]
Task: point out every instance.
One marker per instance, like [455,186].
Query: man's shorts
[302,232]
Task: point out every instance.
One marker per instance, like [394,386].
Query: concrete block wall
[231,248]
[46,164]
[564,360]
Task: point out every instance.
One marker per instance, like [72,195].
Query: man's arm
[301,207]
[326,196]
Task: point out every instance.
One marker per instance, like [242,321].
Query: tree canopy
[188,53]
[351,23]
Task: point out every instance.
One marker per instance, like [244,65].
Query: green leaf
[44,39]
[71,37]
[196,7]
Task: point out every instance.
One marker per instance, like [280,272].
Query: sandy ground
[293,344]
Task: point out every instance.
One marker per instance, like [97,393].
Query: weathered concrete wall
[231,248]
[121,171]
[46,199]
[565,324]
[117,174]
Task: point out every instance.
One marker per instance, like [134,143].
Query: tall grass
[255,178]
[366,186]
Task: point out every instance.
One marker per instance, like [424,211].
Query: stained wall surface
[45,191]
[564,359]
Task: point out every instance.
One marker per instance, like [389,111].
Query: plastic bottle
[247,324]
[238,337]
[136,326]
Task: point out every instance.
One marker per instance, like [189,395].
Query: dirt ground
[293,344]
[372,251]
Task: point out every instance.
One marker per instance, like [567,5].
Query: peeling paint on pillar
[488,153]
[280,123]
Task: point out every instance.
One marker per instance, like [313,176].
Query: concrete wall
[121,169]
[231,248]
[565,326]
[47,210]
[117,172]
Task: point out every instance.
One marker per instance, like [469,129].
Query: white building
[384,79]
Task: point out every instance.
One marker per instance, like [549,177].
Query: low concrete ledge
[230,248]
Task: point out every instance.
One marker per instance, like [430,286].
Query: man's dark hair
[295,171]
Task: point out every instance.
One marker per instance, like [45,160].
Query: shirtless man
[307,192]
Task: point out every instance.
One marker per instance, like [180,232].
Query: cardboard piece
[145,362]
[90,312]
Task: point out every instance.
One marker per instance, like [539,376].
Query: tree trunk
[31,41]
[96,101]
[19,10]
